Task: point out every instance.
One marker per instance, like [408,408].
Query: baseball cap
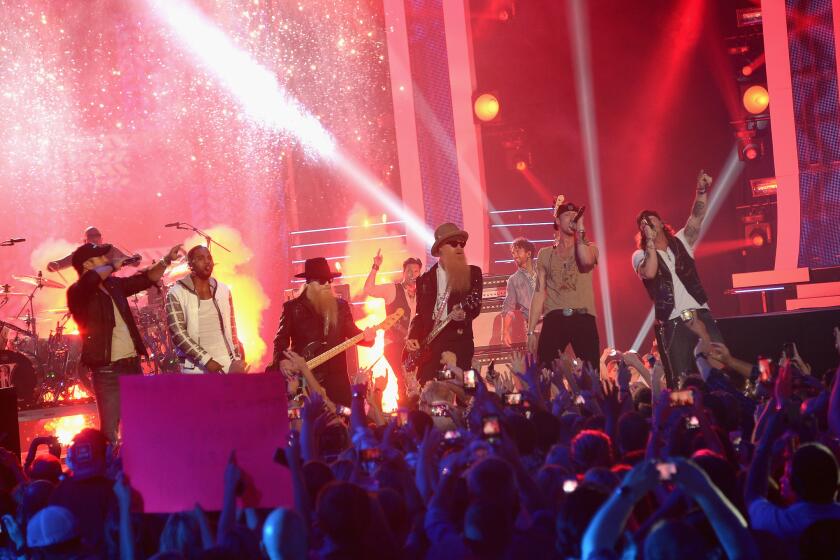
[52,525]
[88,251]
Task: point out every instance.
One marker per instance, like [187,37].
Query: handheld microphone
[173,224]
[579,214]
[17,239]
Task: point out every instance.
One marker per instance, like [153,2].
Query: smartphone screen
[570,485]
[369,454]
[513,398]
[452,435]
[692,423]
[666,470]
[444,375]
[294,413]
[682,398]
[342,410]
[439,410]
[490,427]
[469,379]
[402,417]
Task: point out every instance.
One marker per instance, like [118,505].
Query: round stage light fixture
[521,165]
[758,237]
[486,107]
[756,99]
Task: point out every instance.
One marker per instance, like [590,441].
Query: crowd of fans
[565,461]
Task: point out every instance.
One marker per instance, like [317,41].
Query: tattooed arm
[698,210]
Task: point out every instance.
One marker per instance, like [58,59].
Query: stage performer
[440,291]
[202,323]
[316,321]
[520,287]
[397,295]
[111,343]
[665,264]
[564,292]
[91,235]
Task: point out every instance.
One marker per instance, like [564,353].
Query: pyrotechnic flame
[249,298]
[65,427]
[360,254]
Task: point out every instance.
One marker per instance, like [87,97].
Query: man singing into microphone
[665,264]
[111,343]
[564,291]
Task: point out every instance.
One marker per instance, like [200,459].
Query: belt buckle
[568,312]
[687,315]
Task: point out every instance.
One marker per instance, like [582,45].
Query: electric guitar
[411,360]
[314,352]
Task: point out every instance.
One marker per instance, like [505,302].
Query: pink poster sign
[179,430]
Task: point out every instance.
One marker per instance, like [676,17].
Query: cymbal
[38,281]
[3,294]
[17,329]
[55,310]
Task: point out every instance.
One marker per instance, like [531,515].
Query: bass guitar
[315,354]
[411,360]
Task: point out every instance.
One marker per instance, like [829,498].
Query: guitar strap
[440,307]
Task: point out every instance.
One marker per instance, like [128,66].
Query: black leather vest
[661,287]
[398,332]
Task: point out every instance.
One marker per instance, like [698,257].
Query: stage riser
[752,335]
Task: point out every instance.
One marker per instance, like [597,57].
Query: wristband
[374,267]
[530,333]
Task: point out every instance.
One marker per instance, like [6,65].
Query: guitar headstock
[391,319]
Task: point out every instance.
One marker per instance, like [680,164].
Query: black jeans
[106,388]
[679,344]
[460,344]
[579,330]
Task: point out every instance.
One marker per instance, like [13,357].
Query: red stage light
[757,238]
[756,99]
[521,165]
[751,153]
[747,70]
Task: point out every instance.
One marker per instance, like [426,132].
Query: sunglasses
[456,243]
[323,281]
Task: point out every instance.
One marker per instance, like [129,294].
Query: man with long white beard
[440,292]
[316,315]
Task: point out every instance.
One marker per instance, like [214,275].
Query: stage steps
[814,296]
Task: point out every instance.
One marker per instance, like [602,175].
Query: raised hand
[642,478]
[175,251]
[377,258]
[122,489]
[233,475]
[624,377]
[517,363]
[704,180]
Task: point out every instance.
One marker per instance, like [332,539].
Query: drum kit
[47,371]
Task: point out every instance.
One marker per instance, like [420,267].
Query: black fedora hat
[317,269]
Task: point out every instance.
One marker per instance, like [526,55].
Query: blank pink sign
[178,432]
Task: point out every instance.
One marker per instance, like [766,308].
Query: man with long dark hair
[665,263]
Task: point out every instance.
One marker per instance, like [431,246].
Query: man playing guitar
[316,315]
[440,293]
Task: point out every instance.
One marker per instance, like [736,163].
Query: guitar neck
[335,351]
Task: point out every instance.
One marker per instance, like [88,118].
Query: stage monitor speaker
[9,428]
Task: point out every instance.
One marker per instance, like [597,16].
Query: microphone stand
[209,240]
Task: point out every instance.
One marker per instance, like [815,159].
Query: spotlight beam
[268,104]
[579,35]
[730,172]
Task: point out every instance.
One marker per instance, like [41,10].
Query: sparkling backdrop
[106,119]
